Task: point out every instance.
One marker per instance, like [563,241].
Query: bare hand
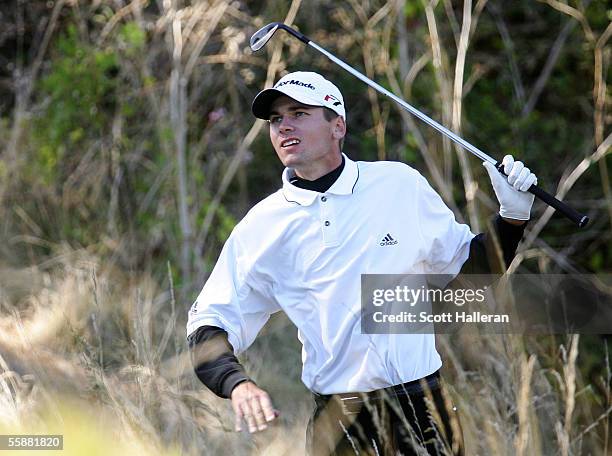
[252,404]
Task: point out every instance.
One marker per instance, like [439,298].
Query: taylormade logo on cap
[305,87]
[293,81]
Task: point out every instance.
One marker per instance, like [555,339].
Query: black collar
[323,183]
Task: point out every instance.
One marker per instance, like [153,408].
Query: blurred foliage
[78,92]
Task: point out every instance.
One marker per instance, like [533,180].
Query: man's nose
[285,124]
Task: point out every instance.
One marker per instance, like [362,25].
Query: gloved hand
[514,200]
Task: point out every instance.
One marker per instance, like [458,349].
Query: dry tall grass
[101,358]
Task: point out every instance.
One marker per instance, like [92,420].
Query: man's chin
[291,161]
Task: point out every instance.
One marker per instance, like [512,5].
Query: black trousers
[409,419]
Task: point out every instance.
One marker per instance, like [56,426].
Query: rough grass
[100,357]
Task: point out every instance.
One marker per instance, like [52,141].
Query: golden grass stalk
[521,439]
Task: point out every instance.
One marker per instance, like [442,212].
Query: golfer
[303,249]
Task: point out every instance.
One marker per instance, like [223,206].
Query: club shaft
[580,219]
[411,109]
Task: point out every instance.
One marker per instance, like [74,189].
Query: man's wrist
[514,222]
[241,382]
[232,381]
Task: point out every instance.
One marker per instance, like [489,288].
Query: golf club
[263,35]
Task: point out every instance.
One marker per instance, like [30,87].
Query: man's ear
[339,130]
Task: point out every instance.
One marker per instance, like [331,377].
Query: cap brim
[263,101]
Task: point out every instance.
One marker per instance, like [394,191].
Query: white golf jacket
[303,252]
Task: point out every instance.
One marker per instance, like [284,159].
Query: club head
[263,35]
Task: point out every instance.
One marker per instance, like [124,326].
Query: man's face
[303,139]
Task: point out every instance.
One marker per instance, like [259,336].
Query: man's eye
[275,119]
[299,113]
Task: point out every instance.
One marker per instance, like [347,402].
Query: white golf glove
[514,200]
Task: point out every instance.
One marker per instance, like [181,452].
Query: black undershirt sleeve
[214,361]
[484,248]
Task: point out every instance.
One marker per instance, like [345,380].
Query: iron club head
[263,35]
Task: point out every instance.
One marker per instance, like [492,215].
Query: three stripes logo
[388,240]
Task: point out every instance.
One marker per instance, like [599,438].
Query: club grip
[579,219]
